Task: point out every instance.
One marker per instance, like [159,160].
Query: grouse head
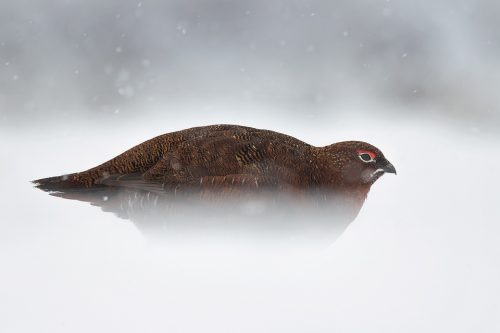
[357,163]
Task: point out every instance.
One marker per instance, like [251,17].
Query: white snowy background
[81,81]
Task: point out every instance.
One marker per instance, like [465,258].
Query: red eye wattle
[372,154]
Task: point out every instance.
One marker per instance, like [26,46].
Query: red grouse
[220,163]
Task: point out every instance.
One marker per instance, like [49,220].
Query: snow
[418,79]
[420,257]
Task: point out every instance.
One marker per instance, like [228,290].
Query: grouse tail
[59,184]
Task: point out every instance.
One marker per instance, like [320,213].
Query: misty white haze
[82,81]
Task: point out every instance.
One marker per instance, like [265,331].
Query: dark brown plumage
[223,162]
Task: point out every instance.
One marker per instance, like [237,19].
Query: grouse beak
[389,168]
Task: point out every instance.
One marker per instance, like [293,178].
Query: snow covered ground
[421,257]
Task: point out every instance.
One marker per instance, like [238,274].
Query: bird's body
[221,163]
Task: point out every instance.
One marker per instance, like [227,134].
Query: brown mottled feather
[186,156]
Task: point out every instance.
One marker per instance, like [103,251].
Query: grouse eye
[366,156]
